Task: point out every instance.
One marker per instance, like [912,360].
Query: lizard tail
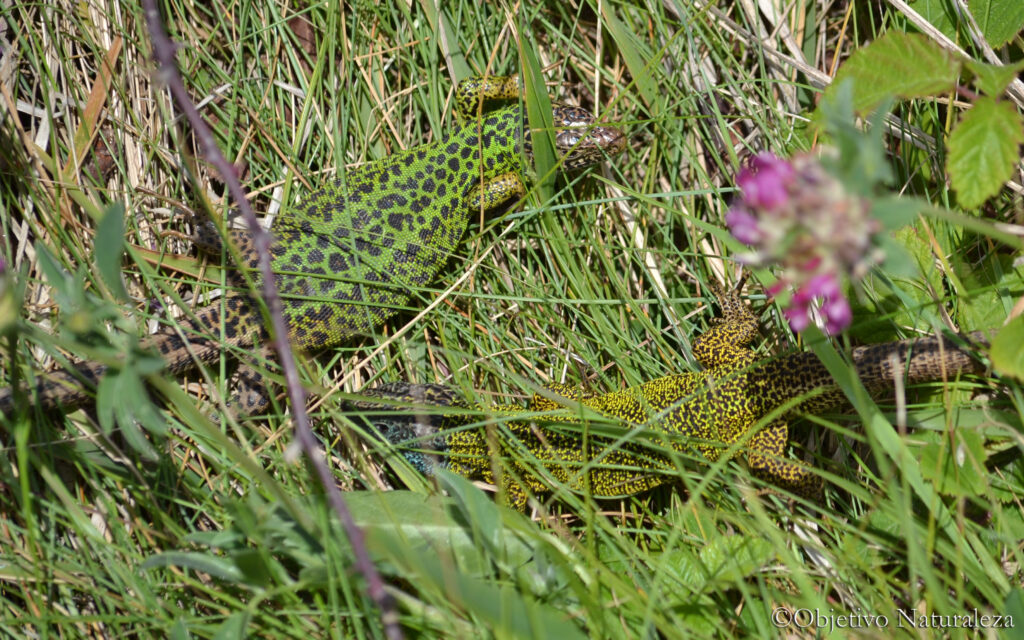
[917,360]
[59,389]
[879,366]
[193,341]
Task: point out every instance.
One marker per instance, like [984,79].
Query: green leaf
[106,398]
[129,396]
[429,525]
[723,561]
[252,563]
[1007,487]
[479,511]
[699,615]
[1007,352]
[506,612]
[55,275]
[954,462]
[109,247]
[542,125]
[217,567]
[900,65]
[983,150]
[898,295]
[940,14]
[1014,606]
[179,630]
[862,162]
[896,212]
[233,627]
[984,288]
[999,20]
[635,53]
[992,79]
[732,559]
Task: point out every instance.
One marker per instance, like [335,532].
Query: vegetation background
[152,523]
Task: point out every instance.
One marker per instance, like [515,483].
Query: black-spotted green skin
[352,253]
[708,411]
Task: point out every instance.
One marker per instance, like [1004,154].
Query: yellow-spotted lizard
[350,256]
[709,411]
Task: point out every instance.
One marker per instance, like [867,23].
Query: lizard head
[399,412]
[579,140]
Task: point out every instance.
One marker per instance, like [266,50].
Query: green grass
[220,532]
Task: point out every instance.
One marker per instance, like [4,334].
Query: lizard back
[709,411]
[354,253]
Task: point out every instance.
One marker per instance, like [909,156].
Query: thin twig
[164,51]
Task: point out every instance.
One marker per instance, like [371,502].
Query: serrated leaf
[1007,486]
[999,20]
[898,298]
[862,162]
[993,79]
[979,284]
[109,247]
[722,561]
[901,65]
[939,13]
[685,567]
[252,564]
[908,255]
[1008,349]
[983,150]
[733,558]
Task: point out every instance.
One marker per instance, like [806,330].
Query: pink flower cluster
[794,213]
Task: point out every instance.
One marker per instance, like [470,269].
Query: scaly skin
[708,411]
[348,258]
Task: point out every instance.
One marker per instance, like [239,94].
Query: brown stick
[163,51]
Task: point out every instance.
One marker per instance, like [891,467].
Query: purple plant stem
[163,51]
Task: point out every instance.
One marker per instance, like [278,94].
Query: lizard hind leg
[250,389]
[515,495]
[473,92]
[767,459]
[725,343]
[251,395]
[495,192]
[543,402]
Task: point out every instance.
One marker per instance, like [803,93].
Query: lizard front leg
[767,459]
[496,192]
[473,92]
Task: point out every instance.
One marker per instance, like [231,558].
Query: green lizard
[709,411]
[351,254]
